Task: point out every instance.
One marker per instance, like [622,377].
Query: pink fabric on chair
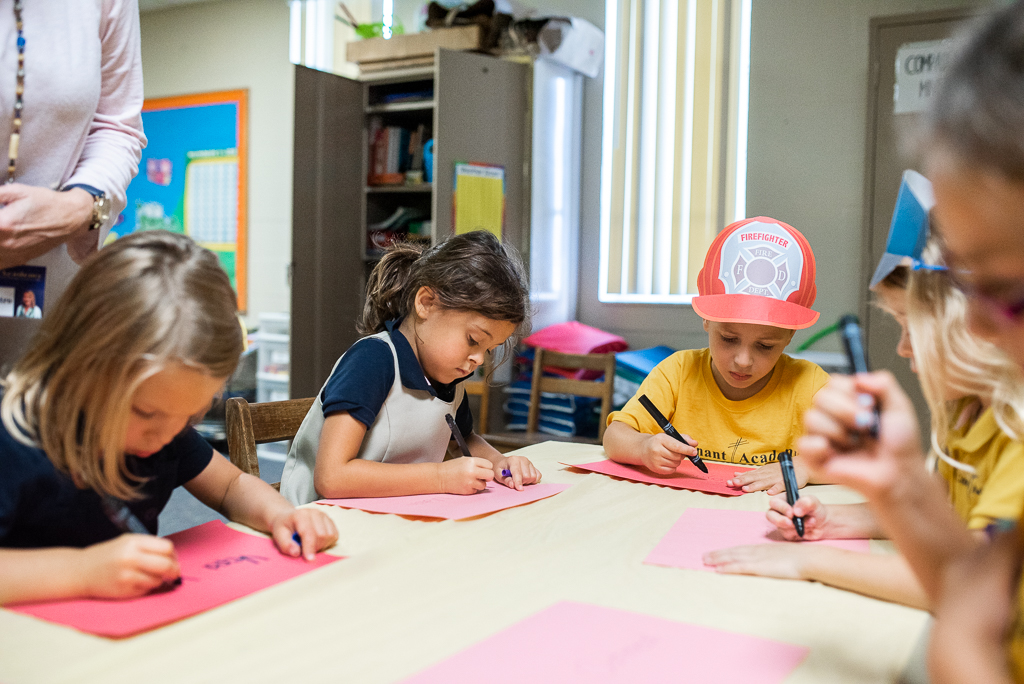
[574,337]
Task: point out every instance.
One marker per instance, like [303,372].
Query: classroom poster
[479,198]
[22,292]
[192,177]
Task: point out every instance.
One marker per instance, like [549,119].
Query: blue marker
[506,473]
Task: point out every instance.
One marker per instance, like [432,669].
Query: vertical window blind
[674,142]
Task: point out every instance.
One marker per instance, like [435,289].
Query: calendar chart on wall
[192,176]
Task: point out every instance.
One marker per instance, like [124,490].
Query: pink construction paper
[218,564]
[687,476]
[577,642]
[701,530]
[452,506]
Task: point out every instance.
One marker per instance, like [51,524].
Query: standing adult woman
[70,102]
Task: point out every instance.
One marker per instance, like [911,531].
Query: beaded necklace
[18,93]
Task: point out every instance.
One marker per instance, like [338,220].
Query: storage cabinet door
[482,116]
[326,227]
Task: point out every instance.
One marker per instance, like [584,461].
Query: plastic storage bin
[271,387]
[272,355]
[274,323]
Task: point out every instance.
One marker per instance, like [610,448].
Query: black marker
[463,447]
[669,429]
[849,330]
[122,516]
[792,490]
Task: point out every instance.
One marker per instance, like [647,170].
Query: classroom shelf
[418,106]
[473,106]
[421,187]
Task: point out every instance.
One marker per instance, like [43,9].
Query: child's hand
[662,454]
[128,566]
[314,529]
[768,477]
[465,475]
[784,561]
[523,472]
[814,513]
[836,449]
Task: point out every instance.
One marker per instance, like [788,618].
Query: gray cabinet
[478,113]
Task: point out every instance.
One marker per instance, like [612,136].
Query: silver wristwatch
[100,204]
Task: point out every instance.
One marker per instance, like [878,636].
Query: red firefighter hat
[758,270]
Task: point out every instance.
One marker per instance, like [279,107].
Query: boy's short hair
[761,271]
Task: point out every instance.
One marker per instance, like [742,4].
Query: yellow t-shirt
[1016,645]
[996,489]
[751,432]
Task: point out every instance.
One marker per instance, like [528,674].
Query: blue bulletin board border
[186,124]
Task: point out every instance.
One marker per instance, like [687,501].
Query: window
[673,170]
[311,33]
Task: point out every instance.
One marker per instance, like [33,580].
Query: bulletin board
[193,176]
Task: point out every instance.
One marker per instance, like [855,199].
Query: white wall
[808,108]
[227,45]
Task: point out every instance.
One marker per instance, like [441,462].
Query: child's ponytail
[386,287]
[468,272]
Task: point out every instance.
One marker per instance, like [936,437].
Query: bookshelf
[476,108]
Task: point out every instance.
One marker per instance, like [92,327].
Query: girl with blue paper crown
[741,398]
[96,427]
[378,427]
[975,160]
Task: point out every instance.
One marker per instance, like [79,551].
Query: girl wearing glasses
[975,160]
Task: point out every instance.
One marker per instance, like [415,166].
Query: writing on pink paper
[701,530]
[578,642]
[495,497]
[686,476]
[218,565]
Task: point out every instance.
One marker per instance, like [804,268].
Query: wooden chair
[481,389]
[601,388]
[251,424]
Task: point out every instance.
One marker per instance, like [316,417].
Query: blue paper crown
[908,231]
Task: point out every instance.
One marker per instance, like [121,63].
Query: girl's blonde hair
[150,299]
[952,360]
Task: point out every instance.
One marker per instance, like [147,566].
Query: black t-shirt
[41,507]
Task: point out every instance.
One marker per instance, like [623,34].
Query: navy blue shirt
[366,373]
[41,507]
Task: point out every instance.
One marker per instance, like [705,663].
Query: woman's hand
[523,472]
[315,530]
[128,566]
[34,220]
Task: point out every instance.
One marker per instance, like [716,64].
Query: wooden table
[414,592]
